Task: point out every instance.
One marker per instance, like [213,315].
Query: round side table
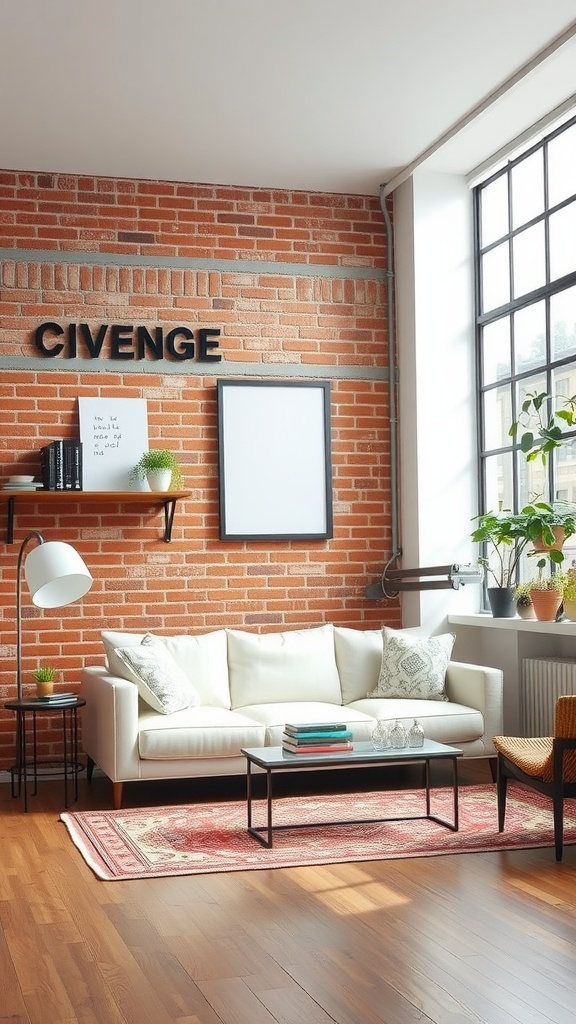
[28,764]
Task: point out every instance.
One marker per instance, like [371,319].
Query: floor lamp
[56,575]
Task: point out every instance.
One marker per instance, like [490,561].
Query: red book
[314,749]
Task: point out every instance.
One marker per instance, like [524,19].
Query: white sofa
[248,685]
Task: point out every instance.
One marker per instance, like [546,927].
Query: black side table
[25,768]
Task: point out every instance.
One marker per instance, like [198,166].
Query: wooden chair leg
[493,762]
[558,802]
[501,787]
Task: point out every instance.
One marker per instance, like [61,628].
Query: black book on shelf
[48,467]
[61,465]
[72,464]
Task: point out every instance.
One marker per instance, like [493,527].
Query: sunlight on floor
[357,894]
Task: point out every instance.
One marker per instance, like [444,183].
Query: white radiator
[543,680]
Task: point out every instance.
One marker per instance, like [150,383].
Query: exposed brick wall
[327,319]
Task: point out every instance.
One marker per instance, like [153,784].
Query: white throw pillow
[160,681]
[295,665]
[413,667]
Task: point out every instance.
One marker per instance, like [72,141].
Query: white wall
[437,400]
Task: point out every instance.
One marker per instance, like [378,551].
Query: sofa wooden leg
[89,768]
[117,795]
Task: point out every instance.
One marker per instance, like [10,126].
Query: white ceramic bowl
[20,479]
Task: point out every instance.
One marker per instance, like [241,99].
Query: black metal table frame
[69,765]
[264,834]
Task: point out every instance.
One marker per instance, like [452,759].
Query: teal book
[330,736]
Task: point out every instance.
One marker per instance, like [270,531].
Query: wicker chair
[547,764]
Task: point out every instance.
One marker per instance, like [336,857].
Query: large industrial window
[525,231]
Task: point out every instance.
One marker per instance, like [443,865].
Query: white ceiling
[322,95]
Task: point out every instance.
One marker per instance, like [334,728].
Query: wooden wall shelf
[160,499]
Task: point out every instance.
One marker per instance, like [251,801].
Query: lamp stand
[31,536]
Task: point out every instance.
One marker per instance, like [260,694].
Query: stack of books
[54,699]
[316,738]
[61,465]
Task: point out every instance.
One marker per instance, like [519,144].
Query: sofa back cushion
[297,665]
[359,658]
[202,658]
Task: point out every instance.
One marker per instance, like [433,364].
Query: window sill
[485,621]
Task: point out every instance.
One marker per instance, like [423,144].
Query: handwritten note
[114,434]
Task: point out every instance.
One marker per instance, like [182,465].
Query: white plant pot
[159,479]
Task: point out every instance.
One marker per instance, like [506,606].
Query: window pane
[497,417]
[530,337]
[495,342]
[529,260]
[561,164]
[495,277]
[528,189]
[532,476]
[562,242]
[494,211]
[499,488]
[563,323]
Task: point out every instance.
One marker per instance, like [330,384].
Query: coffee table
[275,759]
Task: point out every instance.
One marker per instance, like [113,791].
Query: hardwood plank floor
[485,938]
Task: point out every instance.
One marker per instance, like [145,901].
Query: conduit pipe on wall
[376,591]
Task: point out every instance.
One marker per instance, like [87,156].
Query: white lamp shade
[56,575]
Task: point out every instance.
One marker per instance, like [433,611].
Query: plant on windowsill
[505,534]
[569,595]
[547,593]
[524,605]
[160,468]
[540,431]
[44,677]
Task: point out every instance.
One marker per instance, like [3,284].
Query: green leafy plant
[542,518]
[44,674]
[540,430]
[506,533]
[158,458]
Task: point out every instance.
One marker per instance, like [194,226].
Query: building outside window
[525,238]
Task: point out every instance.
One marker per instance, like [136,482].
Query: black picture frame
[274,460]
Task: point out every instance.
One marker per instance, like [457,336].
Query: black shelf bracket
[169,510]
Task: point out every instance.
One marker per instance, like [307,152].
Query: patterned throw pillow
[160,680]
[413,667]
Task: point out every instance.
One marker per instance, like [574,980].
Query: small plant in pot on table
[45,678]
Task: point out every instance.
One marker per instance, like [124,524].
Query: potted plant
[506,534]
[44,677]
[569,595]
[547,593]
[524,605]
[541,430]
[160,468]
[548,526]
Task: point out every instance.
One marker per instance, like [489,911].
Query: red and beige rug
[201,838]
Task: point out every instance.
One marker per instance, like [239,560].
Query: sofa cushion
[299,664]
[443,722]
[359,658]
[202,658]
[413,667]
[274,717]
[160,681]
[196,732]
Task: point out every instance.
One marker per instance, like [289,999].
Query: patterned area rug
[201,838]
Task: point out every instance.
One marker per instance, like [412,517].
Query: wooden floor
[454,939]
